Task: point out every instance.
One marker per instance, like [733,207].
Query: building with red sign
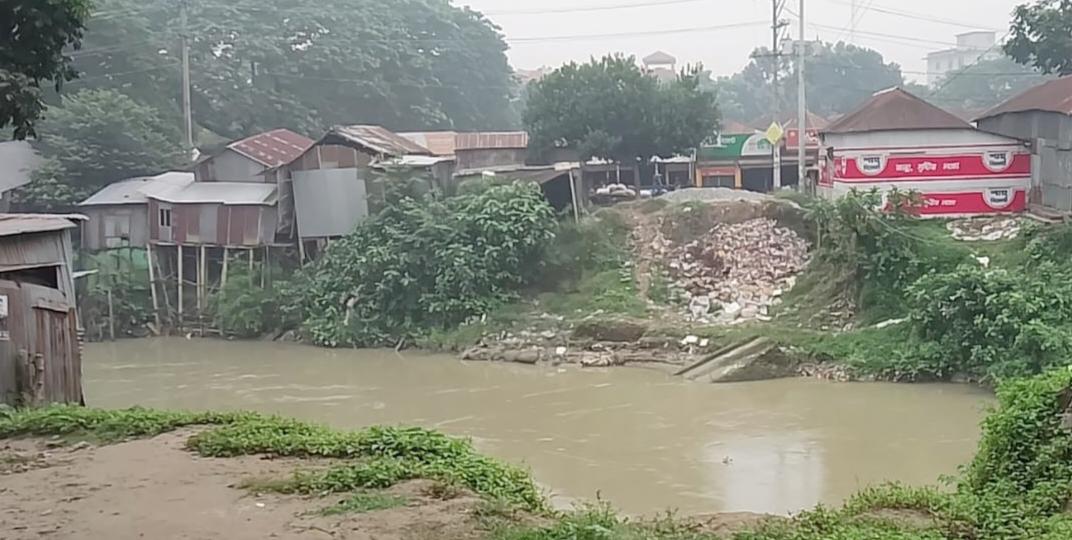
[897,140]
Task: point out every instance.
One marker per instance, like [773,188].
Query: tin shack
[40,357]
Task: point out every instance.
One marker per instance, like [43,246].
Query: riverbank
[92,474]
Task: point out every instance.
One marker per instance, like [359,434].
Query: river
[643,440]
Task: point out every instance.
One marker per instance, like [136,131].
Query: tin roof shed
[1054,96]
[894,110]
[272,148]
[376,139]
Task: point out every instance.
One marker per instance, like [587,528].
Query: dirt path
[154,489]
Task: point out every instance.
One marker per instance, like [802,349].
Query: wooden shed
[40,356]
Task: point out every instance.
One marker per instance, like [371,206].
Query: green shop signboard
[734,147]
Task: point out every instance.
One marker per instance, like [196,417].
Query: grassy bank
[1016,488]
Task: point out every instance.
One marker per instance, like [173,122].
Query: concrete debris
[713,194]
[985,229]
[735,273]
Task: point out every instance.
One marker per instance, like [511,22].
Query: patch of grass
[269,484]
[379,456]
[600,522]
[363,502]
[659,289]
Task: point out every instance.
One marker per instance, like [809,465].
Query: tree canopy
[984,84]
[1041,36]
[839,77]
[97,137]
[611,108]
[33,37]
[262,64]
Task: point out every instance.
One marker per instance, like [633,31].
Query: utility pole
[776,110]
[802,110]
[187,112]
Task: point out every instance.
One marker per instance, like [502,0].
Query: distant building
[896,140]
[971,47]
[742,158]
[662,65]
[525,76]
[1042,116]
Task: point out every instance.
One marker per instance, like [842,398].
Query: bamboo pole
[152,287]
[179,251]
[251,266]
[111,316]
[264,267]
[223,274]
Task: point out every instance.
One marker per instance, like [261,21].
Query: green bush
[992,322]
[423,264]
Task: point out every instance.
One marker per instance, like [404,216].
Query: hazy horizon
[722,33]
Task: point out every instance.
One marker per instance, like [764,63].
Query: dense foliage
[612,109]
[33,37]
[264,64]
[426,263]
[1040,36]
[97,137]
[838,79]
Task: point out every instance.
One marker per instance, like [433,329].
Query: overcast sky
[722,33]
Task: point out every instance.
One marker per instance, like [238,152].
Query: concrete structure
[119,213]
[970,48]
[18,161]
[1042,116]
[40,357]
[897,140]
[742,158]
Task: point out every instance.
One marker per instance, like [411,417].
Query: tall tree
[260,64]
[33,36]
[612,109]
[839,77]
[1041,36]
[97,137]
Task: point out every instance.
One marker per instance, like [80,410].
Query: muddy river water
[642,439]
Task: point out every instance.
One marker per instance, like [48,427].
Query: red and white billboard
[954,181]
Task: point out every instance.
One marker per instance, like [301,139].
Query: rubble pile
[985,229]
[736,273]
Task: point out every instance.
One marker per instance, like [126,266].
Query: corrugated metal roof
[273,148]
[1053,96]
[13,224]
[229,193]
[440,143]
[137,190]
[447,143]
[895,109]
[18,160]
[377,139]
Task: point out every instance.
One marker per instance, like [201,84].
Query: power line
[591,8]
[917,16]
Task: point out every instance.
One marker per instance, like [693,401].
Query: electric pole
[802,110]
[187,112]
[776,110]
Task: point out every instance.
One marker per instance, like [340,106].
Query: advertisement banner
[886,168]
[792,137]
[988,201]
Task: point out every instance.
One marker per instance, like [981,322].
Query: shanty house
[227,214]
[253,159]
[1042,116]
[741,156]
[40,357]
[897,140]
[476,151]
[119,213]
[331,179]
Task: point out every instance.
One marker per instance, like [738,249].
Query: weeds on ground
[362,502]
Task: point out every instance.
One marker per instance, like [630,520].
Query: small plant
[362,502]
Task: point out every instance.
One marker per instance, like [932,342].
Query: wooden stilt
[111,317]
[301,251]
[181,279]
[264,266]
[202,288]
[152,286]
[199,256]
[223,273]
[251,278]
